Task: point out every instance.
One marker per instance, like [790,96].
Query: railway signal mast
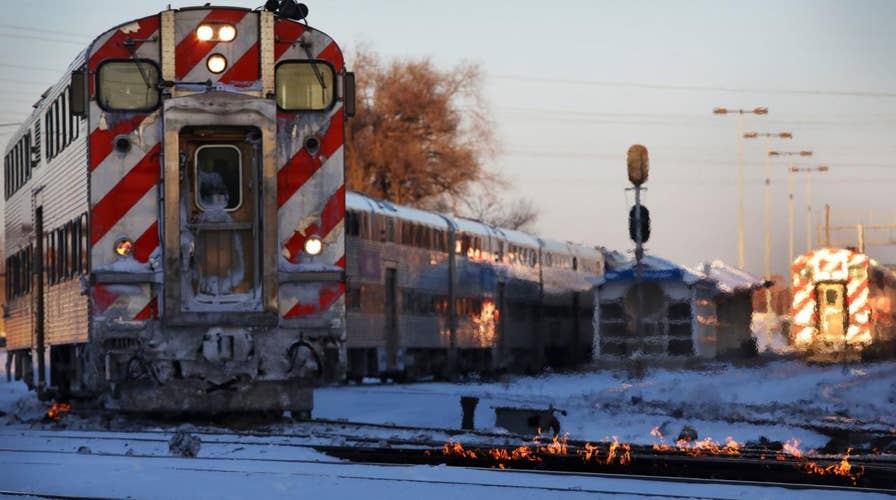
[639,217]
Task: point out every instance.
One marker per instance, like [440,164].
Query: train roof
[358,201]
[472,226]
[587,252]
[556,246]
[727,278]
[518,238]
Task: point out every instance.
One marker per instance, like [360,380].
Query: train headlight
[313,245]
[226,33]
[216,63]
[124,247]
[205,32]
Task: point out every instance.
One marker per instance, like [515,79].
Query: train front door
[832,311]
[220,224]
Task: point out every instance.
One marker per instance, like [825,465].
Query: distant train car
[432,295]
[174,217]
[843,306]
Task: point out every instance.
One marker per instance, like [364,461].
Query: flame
[842,468]
[456,449]
[705,446]
[556,447]
[624,457]
[618,453]
[589,453]
[55,412]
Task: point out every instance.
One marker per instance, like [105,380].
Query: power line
[40,30]
[560,153]
[692,117]
[42,38]
[694,88]
[25,82]
[24,66]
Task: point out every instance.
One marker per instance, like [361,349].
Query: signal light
[314,245]
[216,32]
[216,63]
[205,33]
[226,33]
[633,225]
[124,247]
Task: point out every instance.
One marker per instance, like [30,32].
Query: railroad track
[749,466]
[710,470]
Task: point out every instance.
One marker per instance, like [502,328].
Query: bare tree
[421,135]
[485,204]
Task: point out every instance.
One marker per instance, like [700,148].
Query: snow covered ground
[779,400]
[772,400]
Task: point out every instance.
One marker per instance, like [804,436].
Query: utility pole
[768,218]
[740,173]
[790,172]
[827,225]
[808,171]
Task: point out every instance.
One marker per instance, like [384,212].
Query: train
[179,237]
[843,306]
[436,295]
[174,228]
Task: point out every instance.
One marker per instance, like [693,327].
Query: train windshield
[219,175]
[305,85]
[128,85]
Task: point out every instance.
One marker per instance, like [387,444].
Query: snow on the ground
[774,400]
[135,461]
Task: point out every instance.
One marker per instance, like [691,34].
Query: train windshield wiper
[131,45]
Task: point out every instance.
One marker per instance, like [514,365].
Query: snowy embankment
[778,401]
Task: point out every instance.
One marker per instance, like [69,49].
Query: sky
[572,84]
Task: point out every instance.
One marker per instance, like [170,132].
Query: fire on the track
[620,453]
[791,451]
[705,446]
[55,412]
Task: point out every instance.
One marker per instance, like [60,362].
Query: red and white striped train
[843,306]
[174,216]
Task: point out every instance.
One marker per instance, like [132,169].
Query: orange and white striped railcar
[843,306]
[174,216]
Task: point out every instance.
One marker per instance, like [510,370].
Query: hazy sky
[572,84]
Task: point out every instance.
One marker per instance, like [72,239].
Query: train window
[128,85]
[63,118]
[305,85]
[84,246]
[61,254]
[219,176]
[353,298]
[73,120]
[389,228]
[74,240]
[352,224]
[57,142]
[830,296]
[48,130]
[36,147]
[50,258]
